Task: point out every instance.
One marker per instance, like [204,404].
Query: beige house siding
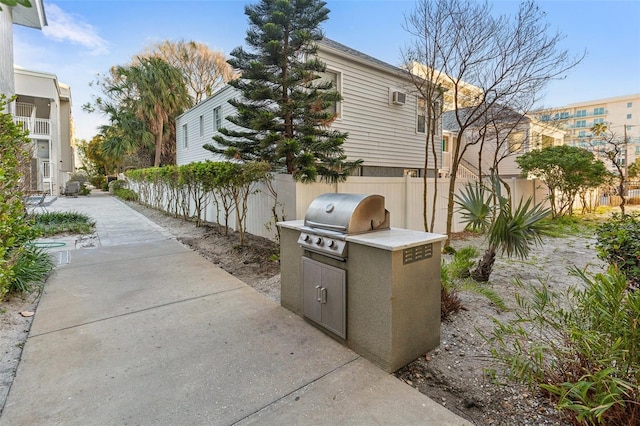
[383,134]
[380,133]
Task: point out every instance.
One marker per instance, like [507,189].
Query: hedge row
[187,190]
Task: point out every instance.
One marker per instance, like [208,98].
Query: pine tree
[285,104]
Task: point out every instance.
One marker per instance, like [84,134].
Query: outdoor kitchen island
[381,298]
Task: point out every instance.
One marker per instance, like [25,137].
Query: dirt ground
[452,375]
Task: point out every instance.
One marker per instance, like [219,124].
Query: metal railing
[35,126]
[24,109]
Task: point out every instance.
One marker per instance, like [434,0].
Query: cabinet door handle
[318,293]
[323,295]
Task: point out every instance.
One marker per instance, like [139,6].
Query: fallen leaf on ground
[27,313]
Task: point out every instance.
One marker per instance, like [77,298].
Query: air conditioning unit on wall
[398,98]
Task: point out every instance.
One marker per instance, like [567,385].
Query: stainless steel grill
[331,217]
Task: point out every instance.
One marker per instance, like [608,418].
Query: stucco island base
[392,306]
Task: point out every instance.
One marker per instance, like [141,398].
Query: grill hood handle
[327,226]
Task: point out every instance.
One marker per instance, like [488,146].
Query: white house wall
[194,150]
[39,85]
[507,166]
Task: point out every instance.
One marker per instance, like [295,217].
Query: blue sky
[87,37]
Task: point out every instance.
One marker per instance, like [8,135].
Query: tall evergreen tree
[285,105]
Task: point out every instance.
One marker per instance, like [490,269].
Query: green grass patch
[53,223]
[579,226]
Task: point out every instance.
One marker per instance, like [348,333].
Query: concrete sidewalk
[142,330]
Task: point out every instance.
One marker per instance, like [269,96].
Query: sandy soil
[453,374]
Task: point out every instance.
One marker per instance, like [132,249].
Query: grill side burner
[331,217]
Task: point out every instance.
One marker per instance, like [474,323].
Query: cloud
[65,27]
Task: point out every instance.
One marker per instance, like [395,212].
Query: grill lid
[347,213]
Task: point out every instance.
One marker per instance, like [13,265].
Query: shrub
[33,266]
[454,278]
[618,243]
[79,177]
[15,227]
[115,185]
[84,190]
[126,194]
[98,181]
[53,223]
[585,356]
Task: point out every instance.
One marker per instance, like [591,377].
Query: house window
[516,141]
[582,134]
[564,115]
[581,123]
[422,122]
[637,149]
[598,111]
[546,117]
[46,170]
[445,145]
[185,136]
[628,116]
[598,121]
[629,104]
[217,118]
[201,125]
[331,80]
[581,113]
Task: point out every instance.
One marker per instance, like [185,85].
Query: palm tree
[156,93]
[510,231]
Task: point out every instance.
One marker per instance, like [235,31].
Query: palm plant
[512,231]
[156,93]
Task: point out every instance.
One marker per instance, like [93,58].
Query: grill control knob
[305,238]
[318,241]
[332,244]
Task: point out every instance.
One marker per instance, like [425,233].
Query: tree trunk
[158,156]
[485,265]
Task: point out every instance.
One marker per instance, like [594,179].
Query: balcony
[35,126]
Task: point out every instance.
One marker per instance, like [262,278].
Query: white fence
[404,198]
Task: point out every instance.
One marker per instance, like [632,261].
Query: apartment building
[621,114]
[43,106]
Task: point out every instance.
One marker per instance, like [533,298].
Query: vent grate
[417,253]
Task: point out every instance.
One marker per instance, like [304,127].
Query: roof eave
[32,17]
